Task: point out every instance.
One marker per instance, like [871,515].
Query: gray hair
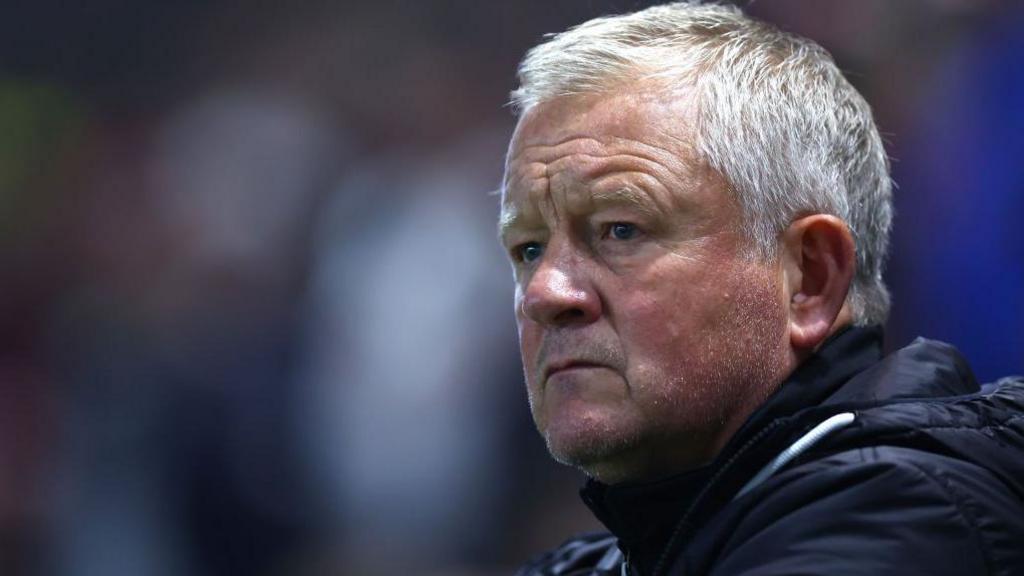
[775,117]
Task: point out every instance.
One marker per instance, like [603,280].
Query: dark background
[253,318]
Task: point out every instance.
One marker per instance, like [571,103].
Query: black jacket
[927,479]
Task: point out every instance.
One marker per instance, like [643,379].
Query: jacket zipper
[677,538]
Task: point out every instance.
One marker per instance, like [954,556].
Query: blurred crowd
[254,318]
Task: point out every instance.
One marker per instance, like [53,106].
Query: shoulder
[878,509]
[587,554]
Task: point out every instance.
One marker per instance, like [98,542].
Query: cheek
[679,328]
[660,338]
[663,321]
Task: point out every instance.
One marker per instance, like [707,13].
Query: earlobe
[820,263]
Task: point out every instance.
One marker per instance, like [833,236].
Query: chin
[590,442]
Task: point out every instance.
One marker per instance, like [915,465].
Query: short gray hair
[775,117]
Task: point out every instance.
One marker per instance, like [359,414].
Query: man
[697,207]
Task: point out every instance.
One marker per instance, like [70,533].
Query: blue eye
[622,231]
[529,251]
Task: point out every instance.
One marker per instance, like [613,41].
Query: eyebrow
[628,196]
[507,221]
[512,218]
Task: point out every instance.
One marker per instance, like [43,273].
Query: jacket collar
[644,515]
[924,369]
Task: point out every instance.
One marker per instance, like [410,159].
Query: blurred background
[253,317]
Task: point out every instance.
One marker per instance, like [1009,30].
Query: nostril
[571,314]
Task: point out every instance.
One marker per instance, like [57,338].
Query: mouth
[566,365]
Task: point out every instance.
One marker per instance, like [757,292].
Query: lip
[563,365]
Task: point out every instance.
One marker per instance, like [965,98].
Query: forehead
[643,136]
[646,116]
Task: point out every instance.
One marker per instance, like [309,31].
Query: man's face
[647,333]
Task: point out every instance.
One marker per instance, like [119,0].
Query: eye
[528,251]
[623,231]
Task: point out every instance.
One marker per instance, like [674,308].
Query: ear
[819,262]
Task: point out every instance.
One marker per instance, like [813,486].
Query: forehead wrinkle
[551,199]
[608,148]
[542,150]
[529,170]
[592,158]
[639,181]
[546,190]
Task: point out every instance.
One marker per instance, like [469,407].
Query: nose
[560,293]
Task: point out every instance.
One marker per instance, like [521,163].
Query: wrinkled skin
[647,332]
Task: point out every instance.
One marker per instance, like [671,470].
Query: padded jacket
[857,464]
